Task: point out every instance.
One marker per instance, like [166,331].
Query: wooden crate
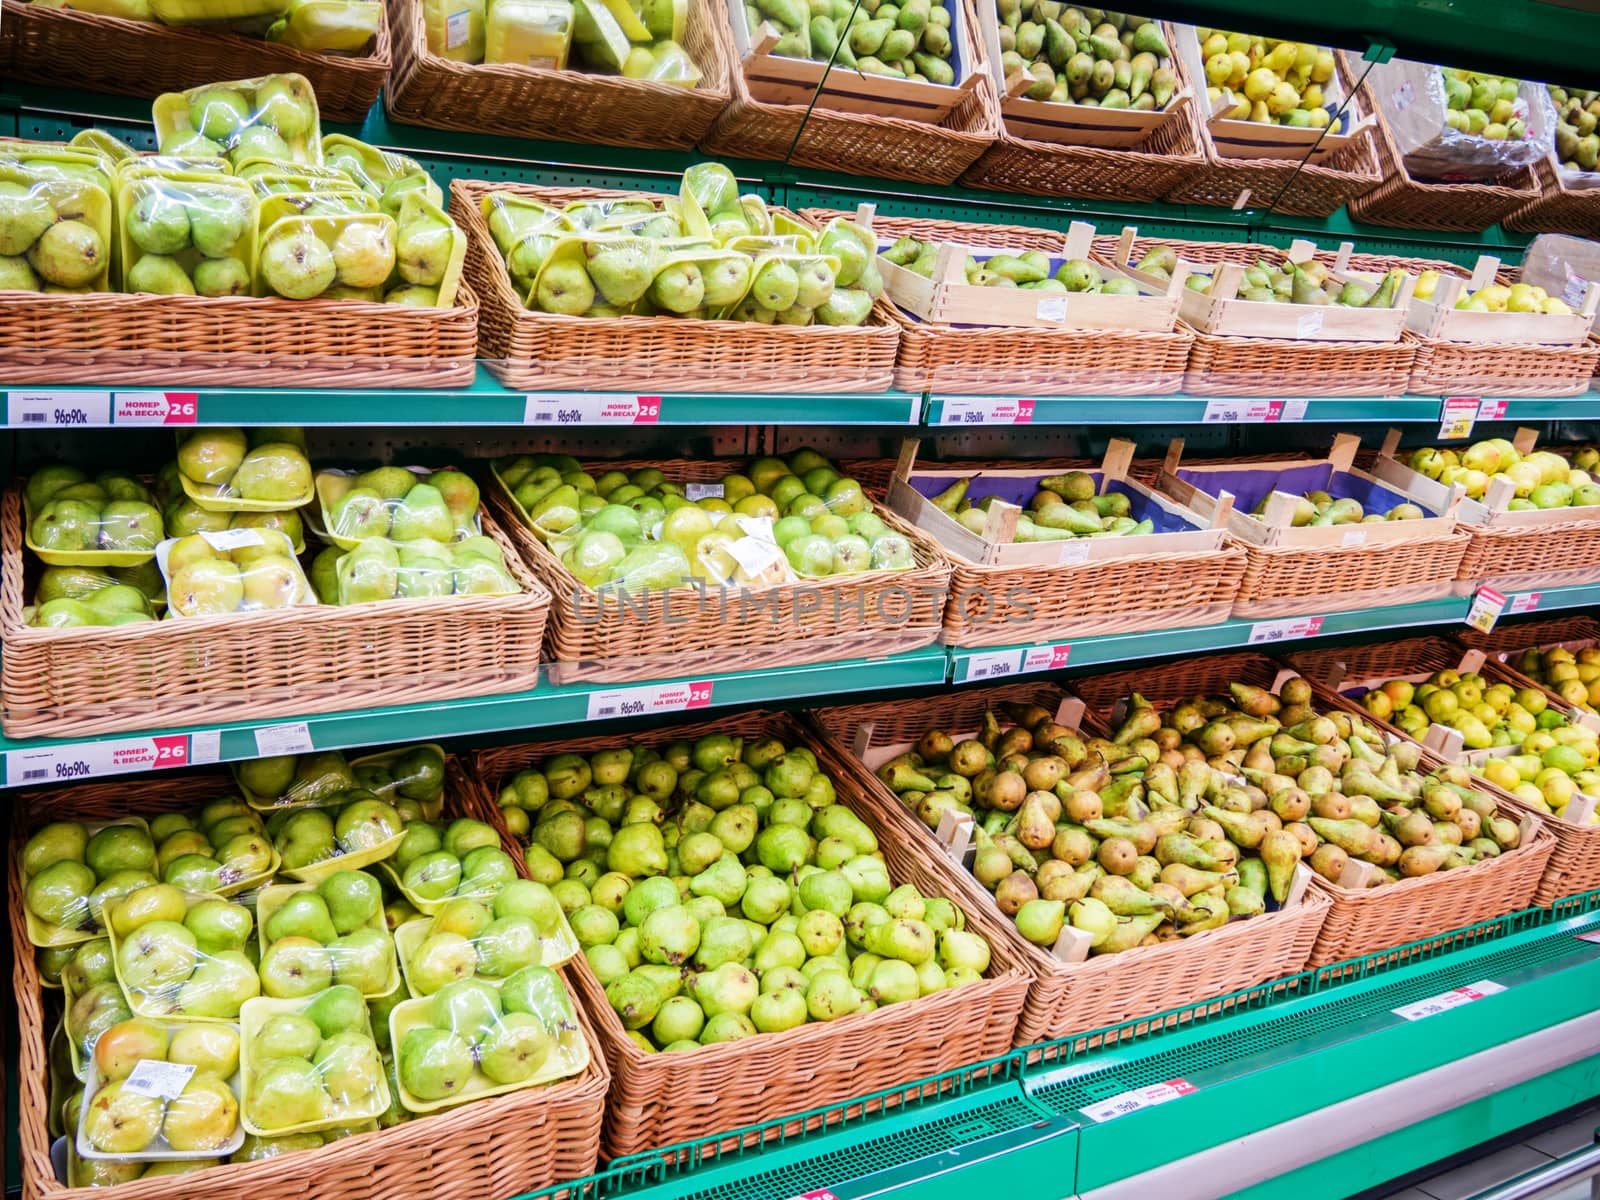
[778,79]
[1438,316]
[993,547]
[1070,123]
[948,298]
[1272,529]
[1221,311]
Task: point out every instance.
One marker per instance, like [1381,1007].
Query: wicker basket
[1360,922]
[1519,558]
[1574,864]
[829,140]
[1402,200]
[1022,361]
[1283,185]
[1143,172]
[1492,369]
[1286,581]
[684,631]
[60,682]
[566,106]
[53,46]
[235,341]
[547,351]
[1559,209]
[660,1099]
[517,1142]
[1068,998]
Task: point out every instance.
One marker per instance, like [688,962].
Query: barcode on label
[33,418]
[606,710]
[39,773]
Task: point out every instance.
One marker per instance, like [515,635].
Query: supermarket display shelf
[121,753]
[489,402]
[486,402]
[37,761]
[1279,1082]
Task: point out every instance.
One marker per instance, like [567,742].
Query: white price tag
[205,747]
[57,410]
[1454,998]
[1285,629]
[1132,1101]
[1075,551]
[1245,412]
[162,1080]
[457,29]
[1487,605]
[702,491]
[986,410]
[283,739]
[1046,658]
[1309,324]
[1491,410]
[155,408]
[755,555]
[650,699]
[1051,308]
[992,664]
[590,408]
[88,760]
[232,539]
[1457,415]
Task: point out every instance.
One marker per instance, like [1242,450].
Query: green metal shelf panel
[1551,599]
[486,402]
[63,759]
[951,411]
[988,665]
[1246,1073]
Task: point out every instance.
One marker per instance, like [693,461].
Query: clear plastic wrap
[471,1039]
[1564,266]
[491,939]
[229,470]
[1434,115]
[402,504]
[310,1063]
[438,862]
[316,935]
[242,570]
[379,569]
[222,847]
[71,871]
[74,521]
[55,224]
[337,257]
[92,1000]
[348,829]
[273,117]
[328,26]
[160,1092]
[293,781]
[66,597]
[187,235]
[182,956]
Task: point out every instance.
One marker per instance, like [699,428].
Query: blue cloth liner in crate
[1019,489]
[1251,485]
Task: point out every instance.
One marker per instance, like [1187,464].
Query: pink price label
[816,1194]
[1046,658]
[155,408]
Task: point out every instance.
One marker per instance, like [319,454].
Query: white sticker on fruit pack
[1051,308]
[231,539]
[162,1080]
[703,491]
[755,555]
[457,28]
[759,528]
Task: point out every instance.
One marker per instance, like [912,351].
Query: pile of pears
[1483,105]
[1030,270]
[720,890]
[1269,82]
[1543,478]
[708,253]
[911,40]
[1577,143]
[1086,55]
[1283,283]
[1065,507]
[1574,675]
[774,522]
[1316,508]
[1500,297]
[320,26]
[1129,839]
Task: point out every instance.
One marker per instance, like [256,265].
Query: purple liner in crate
[1019,489]
[1251,486]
